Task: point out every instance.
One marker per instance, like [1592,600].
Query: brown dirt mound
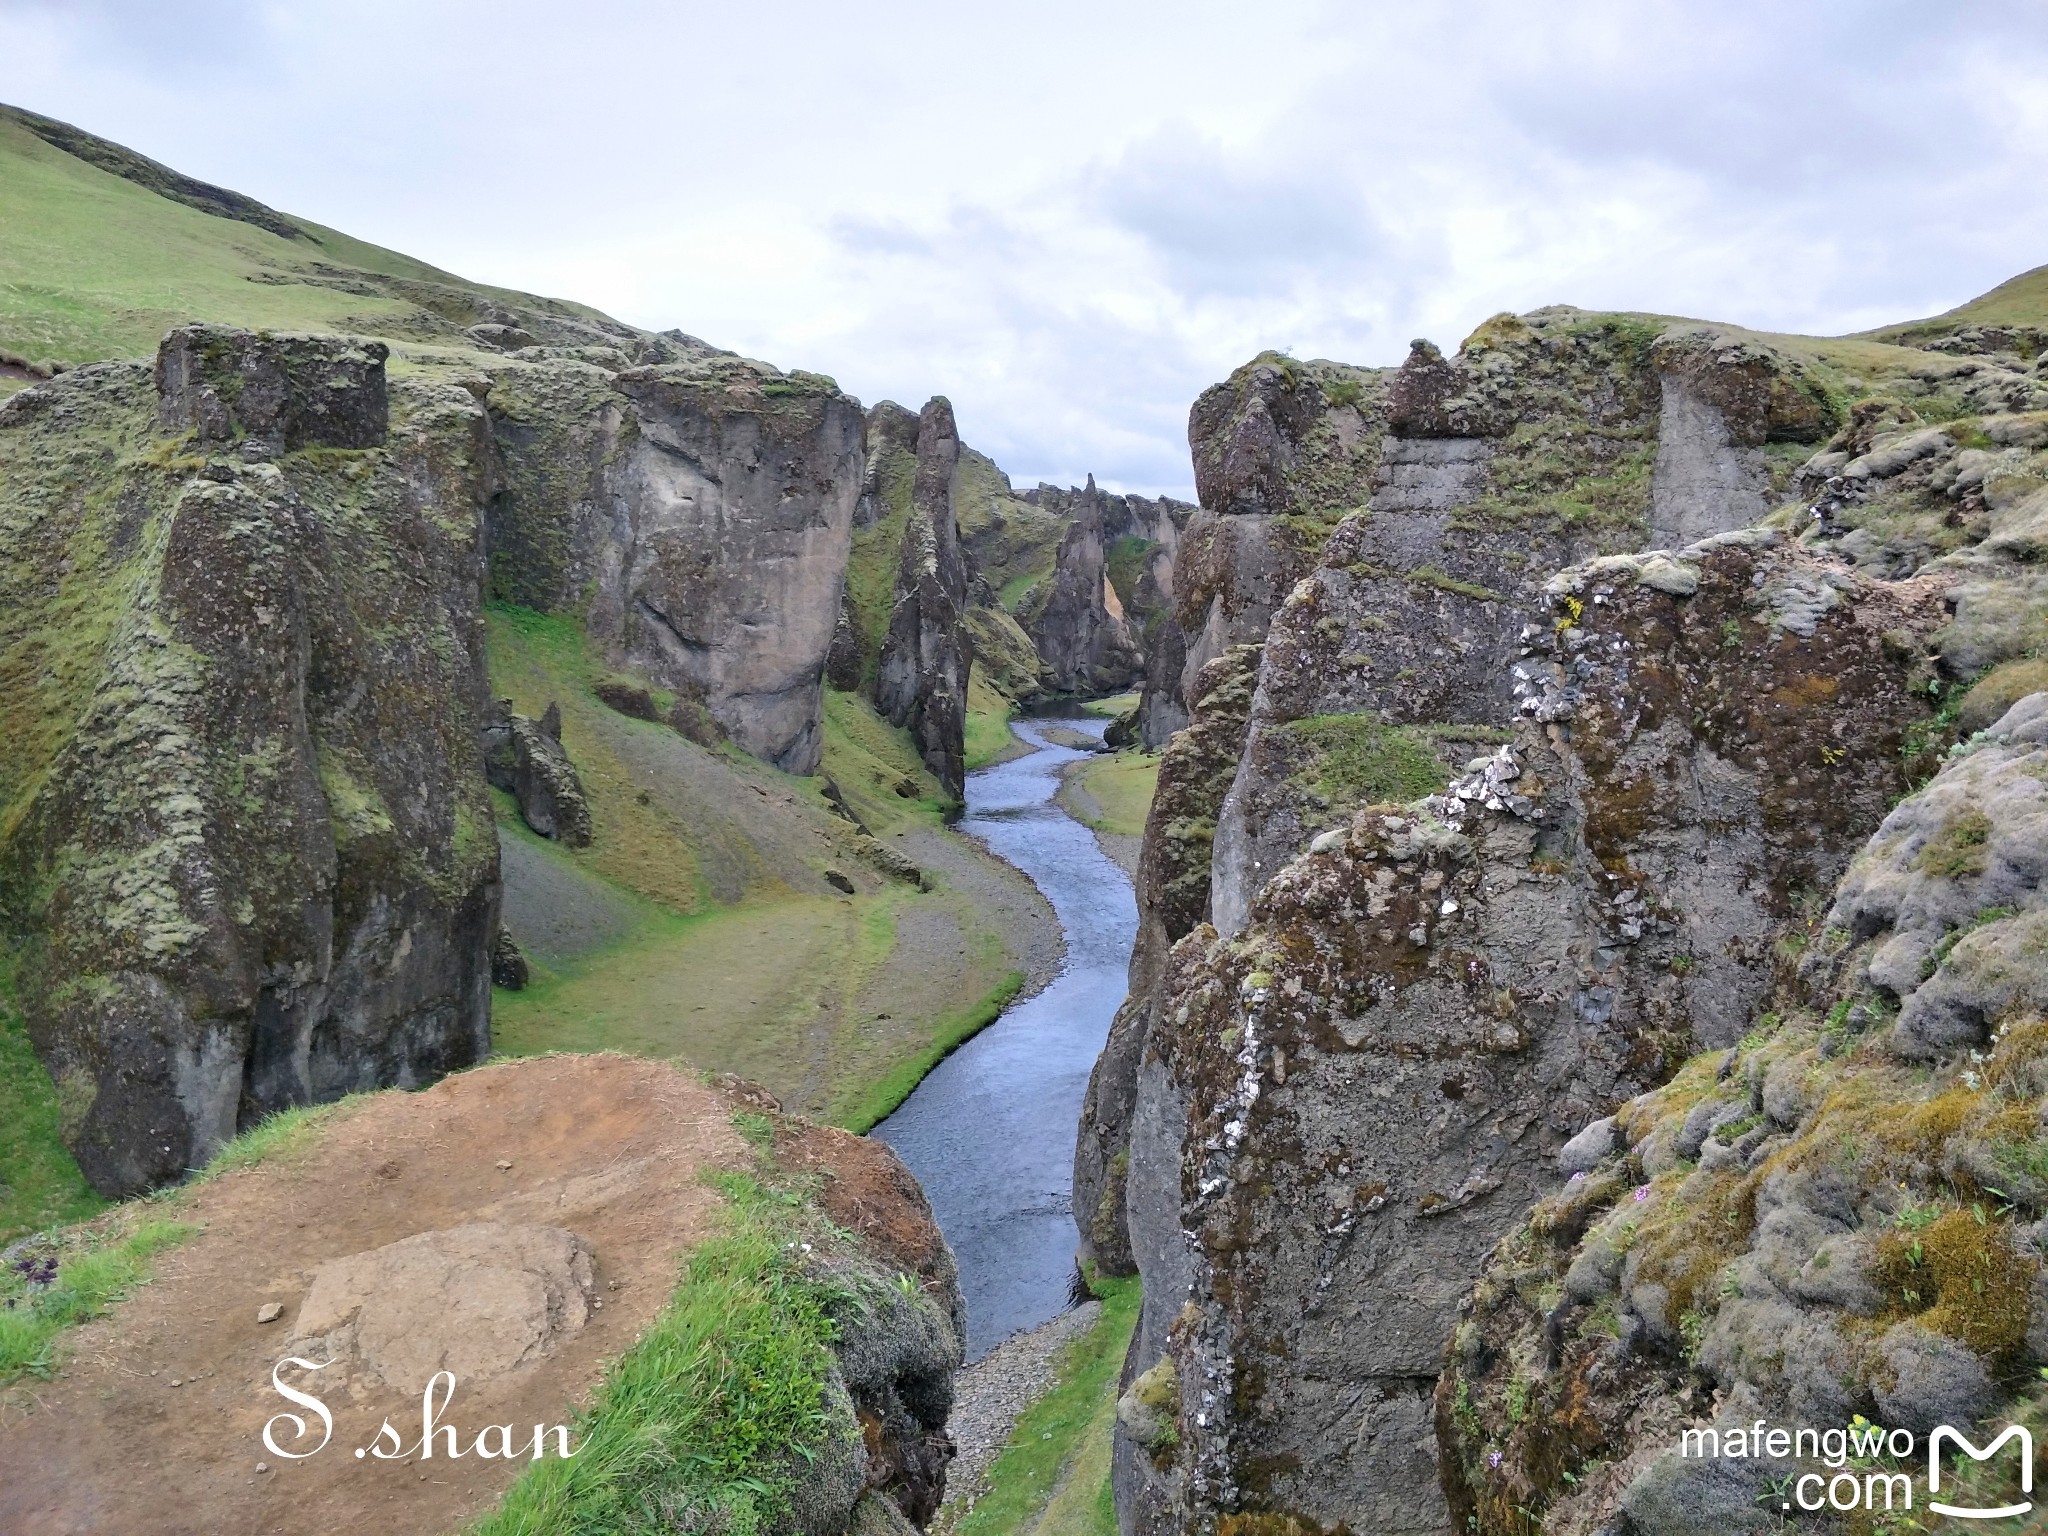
[155,1423]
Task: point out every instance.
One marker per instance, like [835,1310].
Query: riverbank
[1111,794]
[733,917]
[990,1133]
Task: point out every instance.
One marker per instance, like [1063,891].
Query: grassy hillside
[699,923]
[96,265]
[2021,300]
[1014,544]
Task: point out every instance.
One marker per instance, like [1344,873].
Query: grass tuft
[48,1291]
[699,1424]
[1053,1476]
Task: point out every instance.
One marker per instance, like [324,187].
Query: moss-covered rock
[1855,1235]
[246,851]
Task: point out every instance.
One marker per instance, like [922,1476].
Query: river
[990,1132]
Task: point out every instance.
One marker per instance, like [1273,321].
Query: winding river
[990,1132]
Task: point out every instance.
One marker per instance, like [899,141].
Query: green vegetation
[1014,544]
[1053,1476]
[700,1425]
[1109,708]
[73,1281]
[1123,563]
[877,552]
[40,1185]
[285,1136]
[1354,760]
[874,763]
[1443,581]
[877,1103]
[696,925]
[1115,792]
[2021,300]
[1958,849]
[989,738]
[94,265]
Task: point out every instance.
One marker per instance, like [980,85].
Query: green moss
[1960,1275]
[1443,581]
[1359,760]
[988,734]
[1123,564]
[1958,849]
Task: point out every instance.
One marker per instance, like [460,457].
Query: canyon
[1585,985]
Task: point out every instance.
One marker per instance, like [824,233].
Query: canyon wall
[247,851]
[1499,850]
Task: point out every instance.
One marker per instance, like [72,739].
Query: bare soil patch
[155,1423]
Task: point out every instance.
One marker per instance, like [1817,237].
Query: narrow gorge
[1376,1001]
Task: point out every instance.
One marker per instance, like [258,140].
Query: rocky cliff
[1639,780]
[1837,1215]
[921,680]
[247,849]
[1078,620]
[697,516]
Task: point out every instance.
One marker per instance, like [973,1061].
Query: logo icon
[2013,1432]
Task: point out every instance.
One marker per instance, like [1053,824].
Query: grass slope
[40,1184]
[699,1424]
[989,738]
[95,265]
[721,943]
[2021,300]
[1052,1478]
[1115,792]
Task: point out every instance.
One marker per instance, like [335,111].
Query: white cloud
[1072,217]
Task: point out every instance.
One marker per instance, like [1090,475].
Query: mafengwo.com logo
[1870,1469]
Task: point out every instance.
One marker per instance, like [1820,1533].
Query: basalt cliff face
[921,683]
[247,840]
[698,515]
[249,849]
[1554,721]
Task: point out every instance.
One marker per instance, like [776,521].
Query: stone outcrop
[697,517]
[1111,587]
[247,854]
[524,1226]
[1173,897]
[278,392]
[922,681]
[526,758]
[1806,1227]
[1281,451]
[1419,604]
[1079,627]
[1349,1102]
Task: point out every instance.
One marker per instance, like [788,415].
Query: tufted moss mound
[1358,760]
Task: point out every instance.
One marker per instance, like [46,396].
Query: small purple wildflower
[1493,1458]
[1642,1191]
[39,1272]
[1577,1178]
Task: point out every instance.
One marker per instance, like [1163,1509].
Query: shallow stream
[990,1132]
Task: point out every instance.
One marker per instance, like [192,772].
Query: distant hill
[102,250]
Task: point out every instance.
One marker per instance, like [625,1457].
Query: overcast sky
[1071,217]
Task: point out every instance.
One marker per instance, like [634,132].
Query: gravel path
[992,1394]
